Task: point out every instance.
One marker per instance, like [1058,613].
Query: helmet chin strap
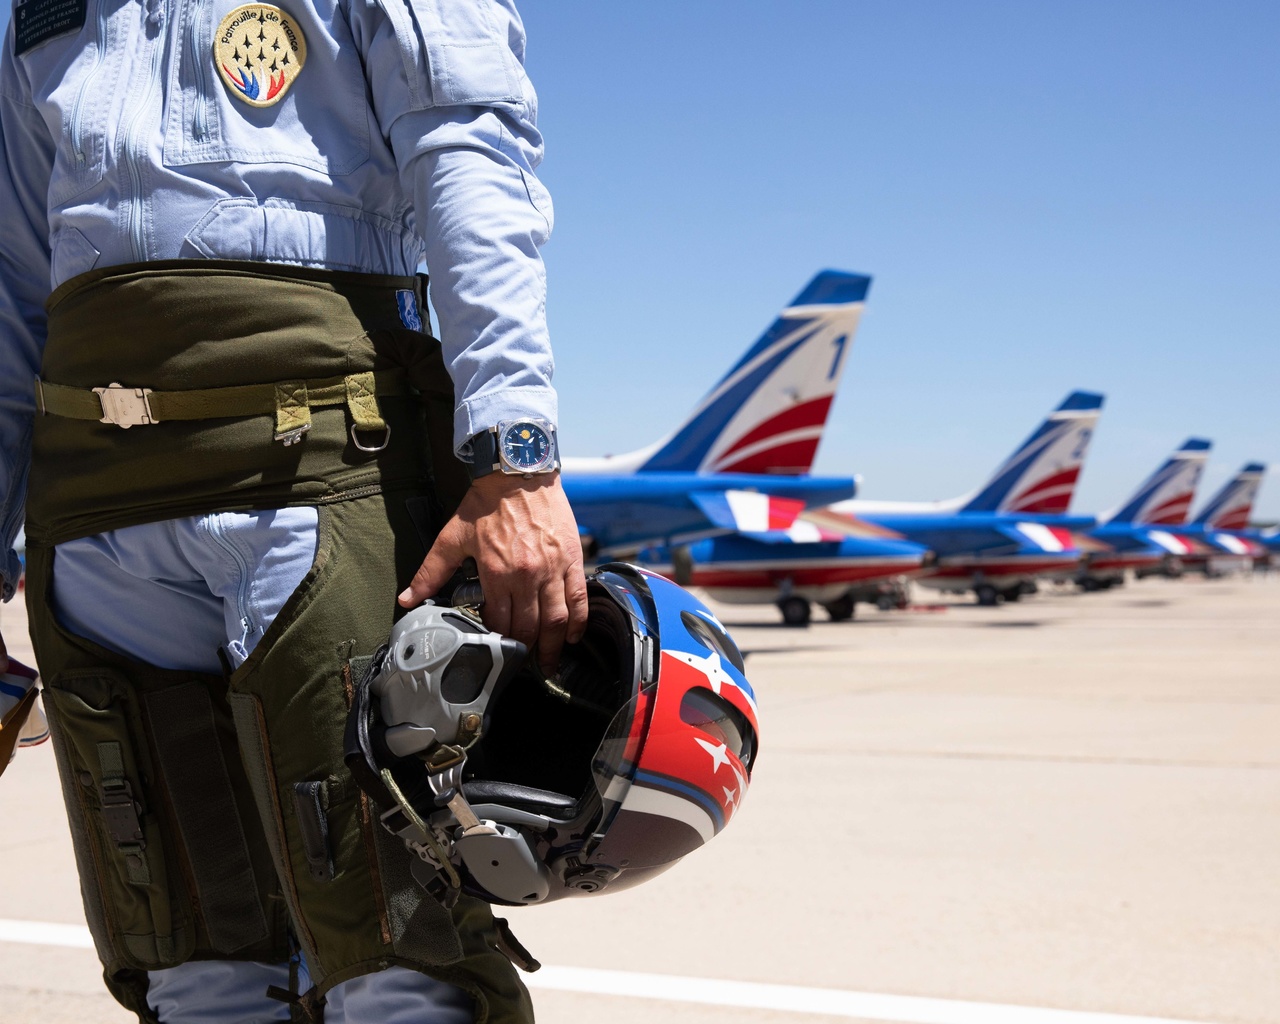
[446,783]
[420,838]
[497,856]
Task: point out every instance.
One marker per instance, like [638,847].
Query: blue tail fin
[1232,506]
[767,414]
[1041,475]
[1165,497]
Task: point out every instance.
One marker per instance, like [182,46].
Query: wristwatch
[516,447]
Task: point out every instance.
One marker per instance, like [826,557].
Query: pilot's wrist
[523,447]
[498,485]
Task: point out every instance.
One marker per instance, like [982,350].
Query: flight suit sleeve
[26,162]
[451,96]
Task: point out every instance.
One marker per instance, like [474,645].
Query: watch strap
[484,453]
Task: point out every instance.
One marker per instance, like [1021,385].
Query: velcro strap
[195,774]
[358,392]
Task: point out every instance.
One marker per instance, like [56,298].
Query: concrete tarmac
[1071,802]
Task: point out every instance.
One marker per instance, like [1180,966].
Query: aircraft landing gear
[987,595]
[795,611]
[1013,593]
[841,609]
[894,596]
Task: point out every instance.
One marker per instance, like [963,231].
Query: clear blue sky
[1049,196]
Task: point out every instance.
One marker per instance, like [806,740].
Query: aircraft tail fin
[1232,506]
[1165,497]
[1041,475]
[767,414]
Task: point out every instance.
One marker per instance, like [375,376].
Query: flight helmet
[521,789]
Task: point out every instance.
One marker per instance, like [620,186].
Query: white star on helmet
[710,665]
[719,752]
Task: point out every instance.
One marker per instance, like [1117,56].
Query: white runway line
[830,1002]
[40,933]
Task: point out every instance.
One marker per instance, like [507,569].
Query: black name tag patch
[38,20]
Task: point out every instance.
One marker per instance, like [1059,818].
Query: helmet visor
[613,768]
[631,592]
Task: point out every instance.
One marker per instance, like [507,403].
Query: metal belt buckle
[125,407]
[291,437]
[121,813]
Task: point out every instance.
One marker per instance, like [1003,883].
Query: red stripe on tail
[807,414]
[1036,499]
[1236,519]
[790,459]
[1172,513]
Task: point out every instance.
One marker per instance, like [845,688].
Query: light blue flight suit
[408,136]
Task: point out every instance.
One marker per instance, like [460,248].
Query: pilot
[234,442]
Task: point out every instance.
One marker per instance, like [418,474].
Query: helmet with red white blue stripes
[638,751]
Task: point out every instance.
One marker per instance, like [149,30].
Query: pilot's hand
[522,534]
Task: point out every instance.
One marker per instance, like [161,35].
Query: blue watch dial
[526,447]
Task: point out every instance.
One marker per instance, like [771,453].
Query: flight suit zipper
[196,54]
[131,152]
[247,624]
[77,110]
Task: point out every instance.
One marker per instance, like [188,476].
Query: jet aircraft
[1146,534]
[998,539]
[1270,540]
[1223,525]
[793,568]
[994,540]
[765,416]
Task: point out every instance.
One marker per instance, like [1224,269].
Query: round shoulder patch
[259,50]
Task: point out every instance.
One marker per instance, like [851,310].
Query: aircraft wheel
[1012,593]
[795,611]
[841,609]
[888,602]
[1089,584]
[987,595]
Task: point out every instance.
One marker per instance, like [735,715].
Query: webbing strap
[362,391]
[358,392]
[111,760]
[293,410]
[195,774]
[121,813]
